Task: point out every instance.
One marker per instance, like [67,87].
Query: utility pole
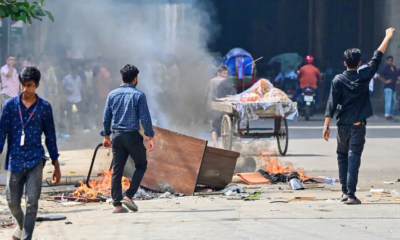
[5,39]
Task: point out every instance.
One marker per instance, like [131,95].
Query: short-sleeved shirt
[388,74]
[309,75]
[10,85]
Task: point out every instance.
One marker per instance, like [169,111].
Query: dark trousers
[123,145]
[351,140]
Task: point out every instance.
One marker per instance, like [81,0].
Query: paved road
[219,218]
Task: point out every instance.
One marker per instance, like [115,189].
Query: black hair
[352,57]
[129,73]
[389,57]
[222,68]
[29,74]
[10,55]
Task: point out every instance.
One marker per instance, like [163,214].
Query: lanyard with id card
[22,121]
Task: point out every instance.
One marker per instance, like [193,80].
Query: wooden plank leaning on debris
[175,161]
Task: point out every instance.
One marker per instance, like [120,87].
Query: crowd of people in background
[76,88]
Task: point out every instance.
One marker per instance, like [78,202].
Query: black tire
[282,135]
[226,132]
[307,113]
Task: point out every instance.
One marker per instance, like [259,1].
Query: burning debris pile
[278,172]
[99,187]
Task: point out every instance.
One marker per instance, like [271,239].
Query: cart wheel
[282,135]
[226,132]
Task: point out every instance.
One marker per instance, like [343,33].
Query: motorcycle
[289,87]
[308,104]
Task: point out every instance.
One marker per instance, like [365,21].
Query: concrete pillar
[389,13]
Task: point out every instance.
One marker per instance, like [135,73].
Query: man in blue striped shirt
[125,106]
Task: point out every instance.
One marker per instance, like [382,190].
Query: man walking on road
[351,91]
[9,81]
[23,121]
[125,106]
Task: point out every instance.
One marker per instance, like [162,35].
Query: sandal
[344,199]
[17,235]
[356,201]
[123,210]
[130,205]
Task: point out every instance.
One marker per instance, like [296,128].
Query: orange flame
[101,185]
[273,165]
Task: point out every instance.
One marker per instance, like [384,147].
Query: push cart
[236,117]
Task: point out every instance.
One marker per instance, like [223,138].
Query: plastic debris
[394,192]
[49,172]
[165,195]
[70,203]
[72,172]
[388,182]
[68,223]
[232,190]
[295,184]
[333,201]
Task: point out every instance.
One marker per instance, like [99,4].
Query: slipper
[354,202]
[123,210]
[17,233]
[131,206]
[344,199]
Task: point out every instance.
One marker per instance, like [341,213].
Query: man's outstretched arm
[376,59]
[385,42]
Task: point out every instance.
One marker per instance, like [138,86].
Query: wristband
[326,127]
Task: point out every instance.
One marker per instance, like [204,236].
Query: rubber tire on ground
[307,113]
[226,132]
[282,136]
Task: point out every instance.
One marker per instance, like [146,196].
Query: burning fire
[273,165]
[101,185]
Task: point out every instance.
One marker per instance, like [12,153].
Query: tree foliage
[24,11]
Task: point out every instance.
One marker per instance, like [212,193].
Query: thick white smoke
[166,40]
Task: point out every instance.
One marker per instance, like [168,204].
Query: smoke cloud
[166,40]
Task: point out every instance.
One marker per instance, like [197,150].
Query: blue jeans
[31,179]
[390,102]
[351,140]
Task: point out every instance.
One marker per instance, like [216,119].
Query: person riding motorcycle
[309,76]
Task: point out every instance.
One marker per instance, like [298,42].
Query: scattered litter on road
[70,203]
[323,210]
[165,195]
[295,184]
[51,218]
[67,223]
[388,182]
[305,198]
[379,191]
[368,195]
[333,201]
[279,202]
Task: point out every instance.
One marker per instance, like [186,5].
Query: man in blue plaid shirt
[124,108]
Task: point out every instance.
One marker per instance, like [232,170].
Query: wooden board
[217,167]
[224,107]
[176,161]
